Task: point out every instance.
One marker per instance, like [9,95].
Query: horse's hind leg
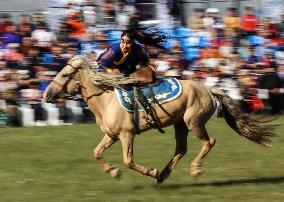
[208,143]
[181,132]
[105,143]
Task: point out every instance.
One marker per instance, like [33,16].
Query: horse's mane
[102,78]
[106,79]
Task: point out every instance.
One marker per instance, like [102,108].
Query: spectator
[251,102]
[56,60]
[279,54]
[25,29]
[162,64]
[24,18]
[32,59]
[45,77]
[26,44]
[109,11]
[89,12]
[164,14]
[9,93]
[210,56]
[253,59]
[32,96]
[195,22]
[227,49]
[64,112]
[10,35]
[26,23]
[281,75]
[122,16]
[76,26]
[249,22]
[281,26]
[212,19]
[213,78]
[271,81]
[269,60]
[134,20]
[228,66]
[62,34]
[270,27]
[13,54]
[232,21]
[243,50]
[37,20]
[4,22]
[43,37]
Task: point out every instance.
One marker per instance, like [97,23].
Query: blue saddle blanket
[169,89]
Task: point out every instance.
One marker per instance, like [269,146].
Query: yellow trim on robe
[125,55]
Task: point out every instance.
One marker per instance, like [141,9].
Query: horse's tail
[241,122]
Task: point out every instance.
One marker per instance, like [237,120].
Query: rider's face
[125,43]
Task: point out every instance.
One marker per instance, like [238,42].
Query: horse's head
[64,82]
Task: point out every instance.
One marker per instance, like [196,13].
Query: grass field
[56,164]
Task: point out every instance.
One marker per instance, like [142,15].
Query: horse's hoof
[154,173]
[159,180]
[195,174]
[115,173]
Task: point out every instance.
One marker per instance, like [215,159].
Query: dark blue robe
[113,58]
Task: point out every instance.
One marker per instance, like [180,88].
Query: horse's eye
[66,75]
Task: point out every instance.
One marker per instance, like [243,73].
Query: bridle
[63,86]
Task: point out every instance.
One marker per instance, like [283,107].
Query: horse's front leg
[127,147]
[105,143]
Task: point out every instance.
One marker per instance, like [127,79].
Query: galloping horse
[188,112]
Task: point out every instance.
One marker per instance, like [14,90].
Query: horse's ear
[77,61]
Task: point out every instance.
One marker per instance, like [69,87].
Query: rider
[128,55]
[125,58]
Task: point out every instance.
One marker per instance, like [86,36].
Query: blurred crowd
[242,54]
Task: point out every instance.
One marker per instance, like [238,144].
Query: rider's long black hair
[150,38]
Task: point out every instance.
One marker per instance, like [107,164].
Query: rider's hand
[116,72]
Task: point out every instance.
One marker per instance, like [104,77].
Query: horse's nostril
[48,97]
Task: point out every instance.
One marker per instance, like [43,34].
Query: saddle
[145,97]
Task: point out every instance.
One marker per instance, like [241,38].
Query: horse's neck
[95,97]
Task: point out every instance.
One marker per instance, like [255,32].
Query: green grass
[56,164]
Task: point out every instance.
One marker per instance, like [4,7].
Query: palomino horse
[188,112]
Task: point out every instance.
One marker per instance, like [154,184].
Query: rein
[87,98]
[77,97]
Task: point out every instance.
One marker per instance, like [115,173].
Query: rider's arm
[106,59]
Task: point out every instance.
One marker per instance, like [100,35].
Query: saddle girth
[141,100]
